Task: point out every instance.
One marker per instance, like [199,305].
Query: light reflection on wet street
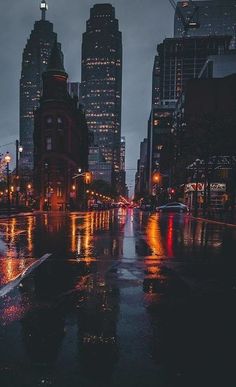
[127,298]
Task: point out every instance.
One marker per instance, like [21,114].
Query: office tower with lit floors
[35,58]
[101,85]
[212,17]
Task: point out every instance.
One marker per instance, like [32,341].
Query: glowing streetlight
[156,177]
[19,149]
[7,159]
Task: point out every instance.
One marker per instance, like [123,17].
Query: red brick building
[60,141]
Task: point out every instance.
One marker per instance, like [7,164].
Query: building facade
[101,170]
[101,86]
[182,59]
[219,66]
[141,174]
[35,58]
[160,147]
[205,129]
[156,82]
[60,142]
[215,17]
[74,89]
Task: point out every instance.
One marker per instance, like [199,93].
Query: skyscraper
[102,82]
[156,82]
[215,17]
[141,174]
[74,89]
[182,59]
[34,62]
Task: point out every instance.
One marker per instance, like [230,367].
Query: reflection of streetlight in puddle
[29,234]
[170,235]
[73,232]
[154,237]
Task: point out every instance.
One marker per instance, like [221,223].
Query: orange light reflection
[154,237]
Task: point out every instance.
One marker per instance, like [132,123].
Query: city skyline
[117,239]
[137,75]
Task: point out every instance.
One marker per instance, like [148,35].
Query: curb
[213,221]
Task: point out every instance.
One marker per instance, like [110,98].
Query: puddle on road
[12,267]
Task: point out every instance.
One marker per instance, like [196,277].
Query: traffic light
[88,177]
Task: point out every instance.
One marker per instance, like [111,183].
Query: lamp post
[19,149]
[196,164]
[46,166]
[7,159]
[156,180]
[87,179]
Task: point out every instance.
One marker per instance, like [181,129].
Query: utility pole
[19,149]
[8,160]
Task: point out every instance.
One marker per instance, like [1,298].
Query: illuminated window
[48,143]
[49,120]
[59,191]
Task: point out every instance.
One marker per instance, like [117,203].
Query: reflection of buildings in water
[92,235]
[201,234]
[10,268]
[30,221]
[43,332]
[154,237]
[97,318]
[17,248]
[97,326]
[161,245]
[174,233]
[50,234]
[170,236]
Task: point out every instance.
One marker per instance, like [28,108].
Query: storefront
[193,190]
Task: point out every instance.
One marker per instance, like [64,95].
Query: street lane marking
[17,280]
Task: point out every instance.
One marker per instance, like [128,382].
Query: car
[173,207]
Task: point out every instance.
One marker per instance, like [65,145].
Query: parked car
[173,207]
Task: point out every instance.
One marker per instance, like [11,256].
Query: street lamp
[156,177]
[196,164]
[156,180]
[19,149]
[87,179]
[7,159]
[46,166]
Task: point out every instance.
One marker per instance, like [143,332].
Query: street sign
[191,187]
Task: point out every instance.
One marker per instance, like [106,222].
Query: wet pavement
[126,298]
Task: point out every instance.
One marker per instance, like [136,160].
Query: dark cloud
[143,23]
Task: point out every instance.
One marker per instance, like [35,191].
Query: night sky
[144,24]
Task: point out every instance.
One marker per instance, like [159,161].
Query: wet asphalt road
[126,299]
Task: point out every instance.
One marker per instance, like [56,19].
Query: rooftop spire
[44,8]
[56,59]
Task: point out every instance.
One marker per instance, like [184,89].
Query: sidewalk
[223,218]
